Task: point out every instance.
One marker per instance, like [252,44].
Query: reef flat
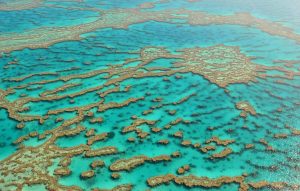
[19,4]
[122,18]
[149,95]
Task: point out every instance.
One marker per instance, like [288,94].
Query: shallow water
[234,82]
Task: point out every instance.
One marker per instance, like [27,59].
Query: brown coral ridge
[87,174]
[15,108]
[123,187]
[134,127]
[147,55]
[97,163]
[35,161]
[115,175]
[274,185]
[200,61]
[122,18]
[285,73]
[207,148]
[183,169]
[163,141]
[246,108]
[63,171]
[109,150]
[218,141]
[19,79]
[194,181]
[267,146]
[225,152]
[210,63]
[129,164]
[158,180]
[95,138]
[206,182]
[191,58]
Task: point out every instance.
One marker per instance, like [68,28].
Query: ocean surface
[149,95]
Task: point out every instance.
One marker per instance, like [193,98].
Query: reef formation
[92,116]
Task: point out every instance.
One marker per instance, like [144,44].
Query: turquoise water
[276,104]
[43,17]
